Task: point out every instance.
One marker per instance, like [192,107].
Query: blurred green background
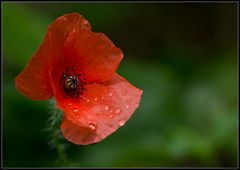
[183,56]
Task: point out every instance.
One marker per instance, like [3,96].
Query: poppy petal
[93,54]
[103,108]
[64,26]
[33,81]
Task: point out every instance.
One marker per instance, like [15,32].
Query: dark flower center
[72,83]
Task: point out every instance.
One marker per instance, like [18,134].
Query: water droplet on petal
[92,126]
[106,107]
[127,106]
[118,111]
[121,122]
[111,116]
[95,98]
[102,97]
[77,115]
[87,100]
[75,110]
[70,104]
[110,94]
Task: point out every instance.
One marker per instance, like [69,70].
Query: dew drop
[127,106]
[92,126]
[118,111]
[121,122]
[75,110]
[111,116]
[110,94]
[87,100]
[70,104]
[106,107]
[102,97]
[95,98]
[76,114]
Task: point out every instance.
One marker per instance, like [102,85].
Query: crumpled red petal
[33,81]
[103,109]
[103,102]
[92,53]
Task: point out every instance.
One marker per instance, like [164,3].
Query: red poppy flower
[77,67]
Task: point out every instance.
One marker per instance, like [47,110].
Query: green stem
[56,140]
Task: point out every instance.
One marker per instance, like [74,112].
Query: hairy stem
[56,141]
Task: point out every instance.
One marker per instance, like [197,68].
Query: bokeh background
[183,56]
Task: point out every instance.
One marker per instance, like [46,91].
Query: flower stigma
[72,83]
